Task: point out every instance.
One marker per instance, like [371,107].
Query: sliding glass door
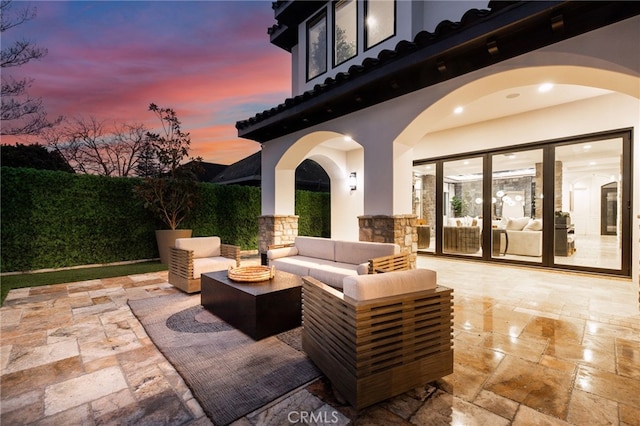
[588,193]
[517,205]
[462,206]
[556,204]
[424,206]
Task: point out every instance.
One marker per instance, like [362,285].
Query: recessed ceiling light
[586,147]
[545,87]
[513,95]
[458,110]
[592,163]
[348,138]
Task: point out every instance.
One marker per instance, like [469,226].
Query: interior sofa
[383,335]
[189,258]
[525,236]
[331,260]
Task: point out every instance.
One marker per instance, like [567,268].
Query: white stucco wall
[411,18]
[399,131]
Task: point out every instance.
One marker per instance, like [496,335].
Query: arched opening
[340,157]
[501,134]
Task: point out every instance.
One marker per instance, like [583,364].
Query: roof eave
[433,58]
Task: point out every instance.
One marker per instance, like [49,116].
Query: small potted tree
[168,188]
[457,204]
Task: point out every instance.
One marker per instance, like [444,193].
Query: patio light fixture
[352,181]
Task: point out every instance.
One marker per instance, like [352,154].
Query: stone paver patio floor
[531,347]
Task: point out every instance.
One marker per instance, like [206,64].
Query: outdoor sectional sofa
[331,260]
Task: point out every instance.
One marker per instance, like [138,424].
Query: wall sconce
[352,181]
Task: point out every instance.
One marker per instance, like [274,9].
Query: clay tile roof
[480,39]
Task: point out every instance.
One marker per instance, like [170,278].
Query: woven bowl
[251,274]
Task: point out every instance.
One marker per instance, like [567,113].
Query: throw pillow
[533,225]
[517,224]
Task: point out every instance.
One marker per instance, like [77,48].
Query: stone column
[398,229]
[275,229]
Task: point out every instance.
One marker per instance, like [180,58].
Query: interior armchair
[386,334]
[191,257]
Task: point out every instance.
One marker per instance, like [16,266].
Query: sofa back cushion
[322,248]
[374,286]
[201,246]
[356,252]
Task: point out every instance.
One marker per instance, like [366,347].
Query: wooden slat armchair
[379,347]
[190,257]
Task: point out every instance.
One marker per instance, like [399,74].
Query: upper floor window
[380,19]
[345,39]
[317,46]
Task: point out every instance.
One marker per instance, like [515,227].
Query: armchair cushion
[209,264]
[373,286]
[201,246]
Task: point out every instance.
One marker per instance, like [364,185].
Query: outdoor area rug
[228,372]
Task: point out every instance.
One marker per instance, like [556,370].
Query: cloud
[210,61]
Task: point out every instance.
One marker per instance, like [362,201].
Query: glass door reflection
[424,205]
[587,229]
[462,207]
[516,206]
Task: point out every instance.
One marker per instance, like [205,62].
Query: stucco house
[496,131]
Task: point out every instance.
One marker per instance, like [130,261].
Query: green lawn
[72,275]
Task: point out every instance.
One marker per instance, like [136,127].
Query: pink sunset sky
[211,61]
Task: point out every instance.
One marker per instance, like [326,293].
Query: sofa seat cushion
[374,286]
[333,273]
[211,264]
[299,265]
[357,252]
[201,246]
[321,248]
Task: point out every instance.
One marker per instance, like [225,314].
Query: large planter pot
[167,238]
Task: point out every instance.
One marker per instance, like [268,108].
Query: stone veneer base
[398,229]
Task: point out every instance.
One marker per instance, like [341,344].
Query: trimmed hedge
[55,219]
[314,213]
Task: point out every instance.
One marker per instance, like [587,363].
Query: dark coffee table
[259,309]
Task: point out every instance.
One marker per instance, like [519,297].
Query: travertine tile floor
[531,347]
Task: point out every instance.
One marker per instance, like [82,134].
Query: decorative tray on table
[251,274]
